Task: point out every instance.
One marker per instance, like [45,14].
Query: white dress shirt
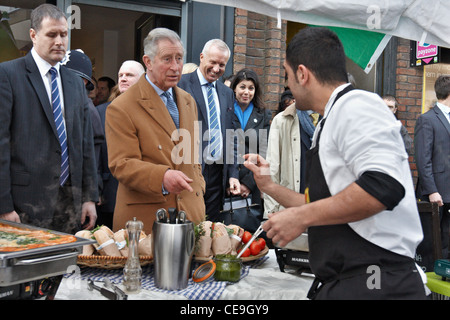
[361,134]
[44,70]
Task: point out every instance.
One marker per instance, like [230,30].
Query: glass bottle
[132,272]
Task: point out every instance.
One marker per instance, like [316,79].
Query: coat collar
[152,103]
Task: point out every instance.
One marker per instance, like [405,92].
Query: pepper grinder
[132,272]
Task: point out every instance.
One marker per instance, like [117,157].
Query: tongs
[173,217]
[255,235]
[120,294]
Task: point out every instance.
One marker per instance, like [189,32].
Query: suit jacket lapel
[67,85]
[442,117]
[36,81]
[198,95]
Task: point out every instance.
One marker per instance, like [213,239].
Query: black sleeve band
[383,187]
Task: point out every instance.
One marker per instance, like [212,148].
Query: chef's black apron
[346,265]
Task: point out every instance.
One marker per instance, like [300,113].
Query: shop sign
[423,54]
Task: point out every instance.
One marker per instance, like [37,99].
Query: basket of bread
[111,249]
[216,238]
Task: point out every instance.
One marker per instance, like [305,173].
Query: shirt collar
[333,97]
[157,89]
[43,65]
[445,109]
[202,79]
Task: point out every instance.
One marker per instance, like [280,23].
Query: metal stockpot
[173,247]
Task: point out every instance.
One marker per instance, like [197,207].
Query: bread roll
[88,249]
[121,242]
[204,241]
[221,243]
[236,237]
[108,231]
[145,246]
[107,245]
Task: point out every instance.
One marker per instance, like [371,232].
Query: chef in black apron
[359,207]
[344,262]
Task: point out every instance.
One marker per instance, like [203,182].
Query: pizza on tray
[17,239]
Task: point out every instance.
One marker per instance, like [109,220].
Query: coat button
[159,147]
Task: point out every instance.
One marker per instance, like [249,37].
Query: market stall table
[260,280]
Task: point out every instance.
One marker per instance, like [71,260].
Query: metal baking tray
[33,264]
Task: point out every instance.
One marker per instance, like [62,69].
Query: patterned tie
[315,118]
[214,132]
[172,107]
[59,122]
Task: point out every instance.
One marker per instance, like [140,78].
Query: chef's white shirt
[361,134]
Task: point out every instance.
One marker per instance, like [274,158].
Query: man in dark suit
[432,147]
[218,165]
[47,172]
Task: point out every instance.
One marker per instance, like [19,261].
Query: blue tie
[59,122]
[172,107]
[214,132]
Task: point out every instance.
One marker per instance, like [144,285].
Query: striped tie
[172,107]
[214,132]
[59,122]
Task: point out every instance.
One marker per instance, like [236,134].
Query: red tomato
[246,237]
[261,243]
[246,253]
[254,248]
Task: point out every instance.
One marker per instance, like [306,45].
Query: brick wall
[409,83]
[261,46]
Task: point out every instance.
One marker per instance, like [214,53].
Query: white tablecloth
[261,282]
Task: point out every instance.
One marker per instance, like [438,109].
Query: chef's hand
[261,170]
[175,181]
[436,197]
[10,216]
[235,186]
[88,215]
[284,226]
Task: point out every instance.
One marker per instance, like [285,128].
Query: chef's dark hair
[320,50]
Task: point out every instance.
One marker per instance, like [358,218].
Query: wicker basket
[108,262]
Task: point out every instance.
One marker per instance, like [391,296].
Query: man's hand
[10,216]
[88,211]
[261,170]
[175,181]
[284,226]
[436,197]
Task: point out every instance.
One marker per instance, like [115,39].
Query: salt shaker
[132,272]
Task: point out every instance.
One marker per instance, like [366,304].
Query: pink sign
[425,51]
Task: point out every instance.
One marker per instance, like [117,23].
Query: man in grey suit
[432,146]
[47,165]
[214,98]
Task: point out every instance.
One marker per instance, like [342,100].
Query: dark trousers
[213,175]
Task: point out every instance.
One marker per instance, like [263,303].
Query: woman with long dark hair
[254,120]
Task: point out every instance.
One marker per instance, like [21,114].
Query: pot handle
[26,262]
